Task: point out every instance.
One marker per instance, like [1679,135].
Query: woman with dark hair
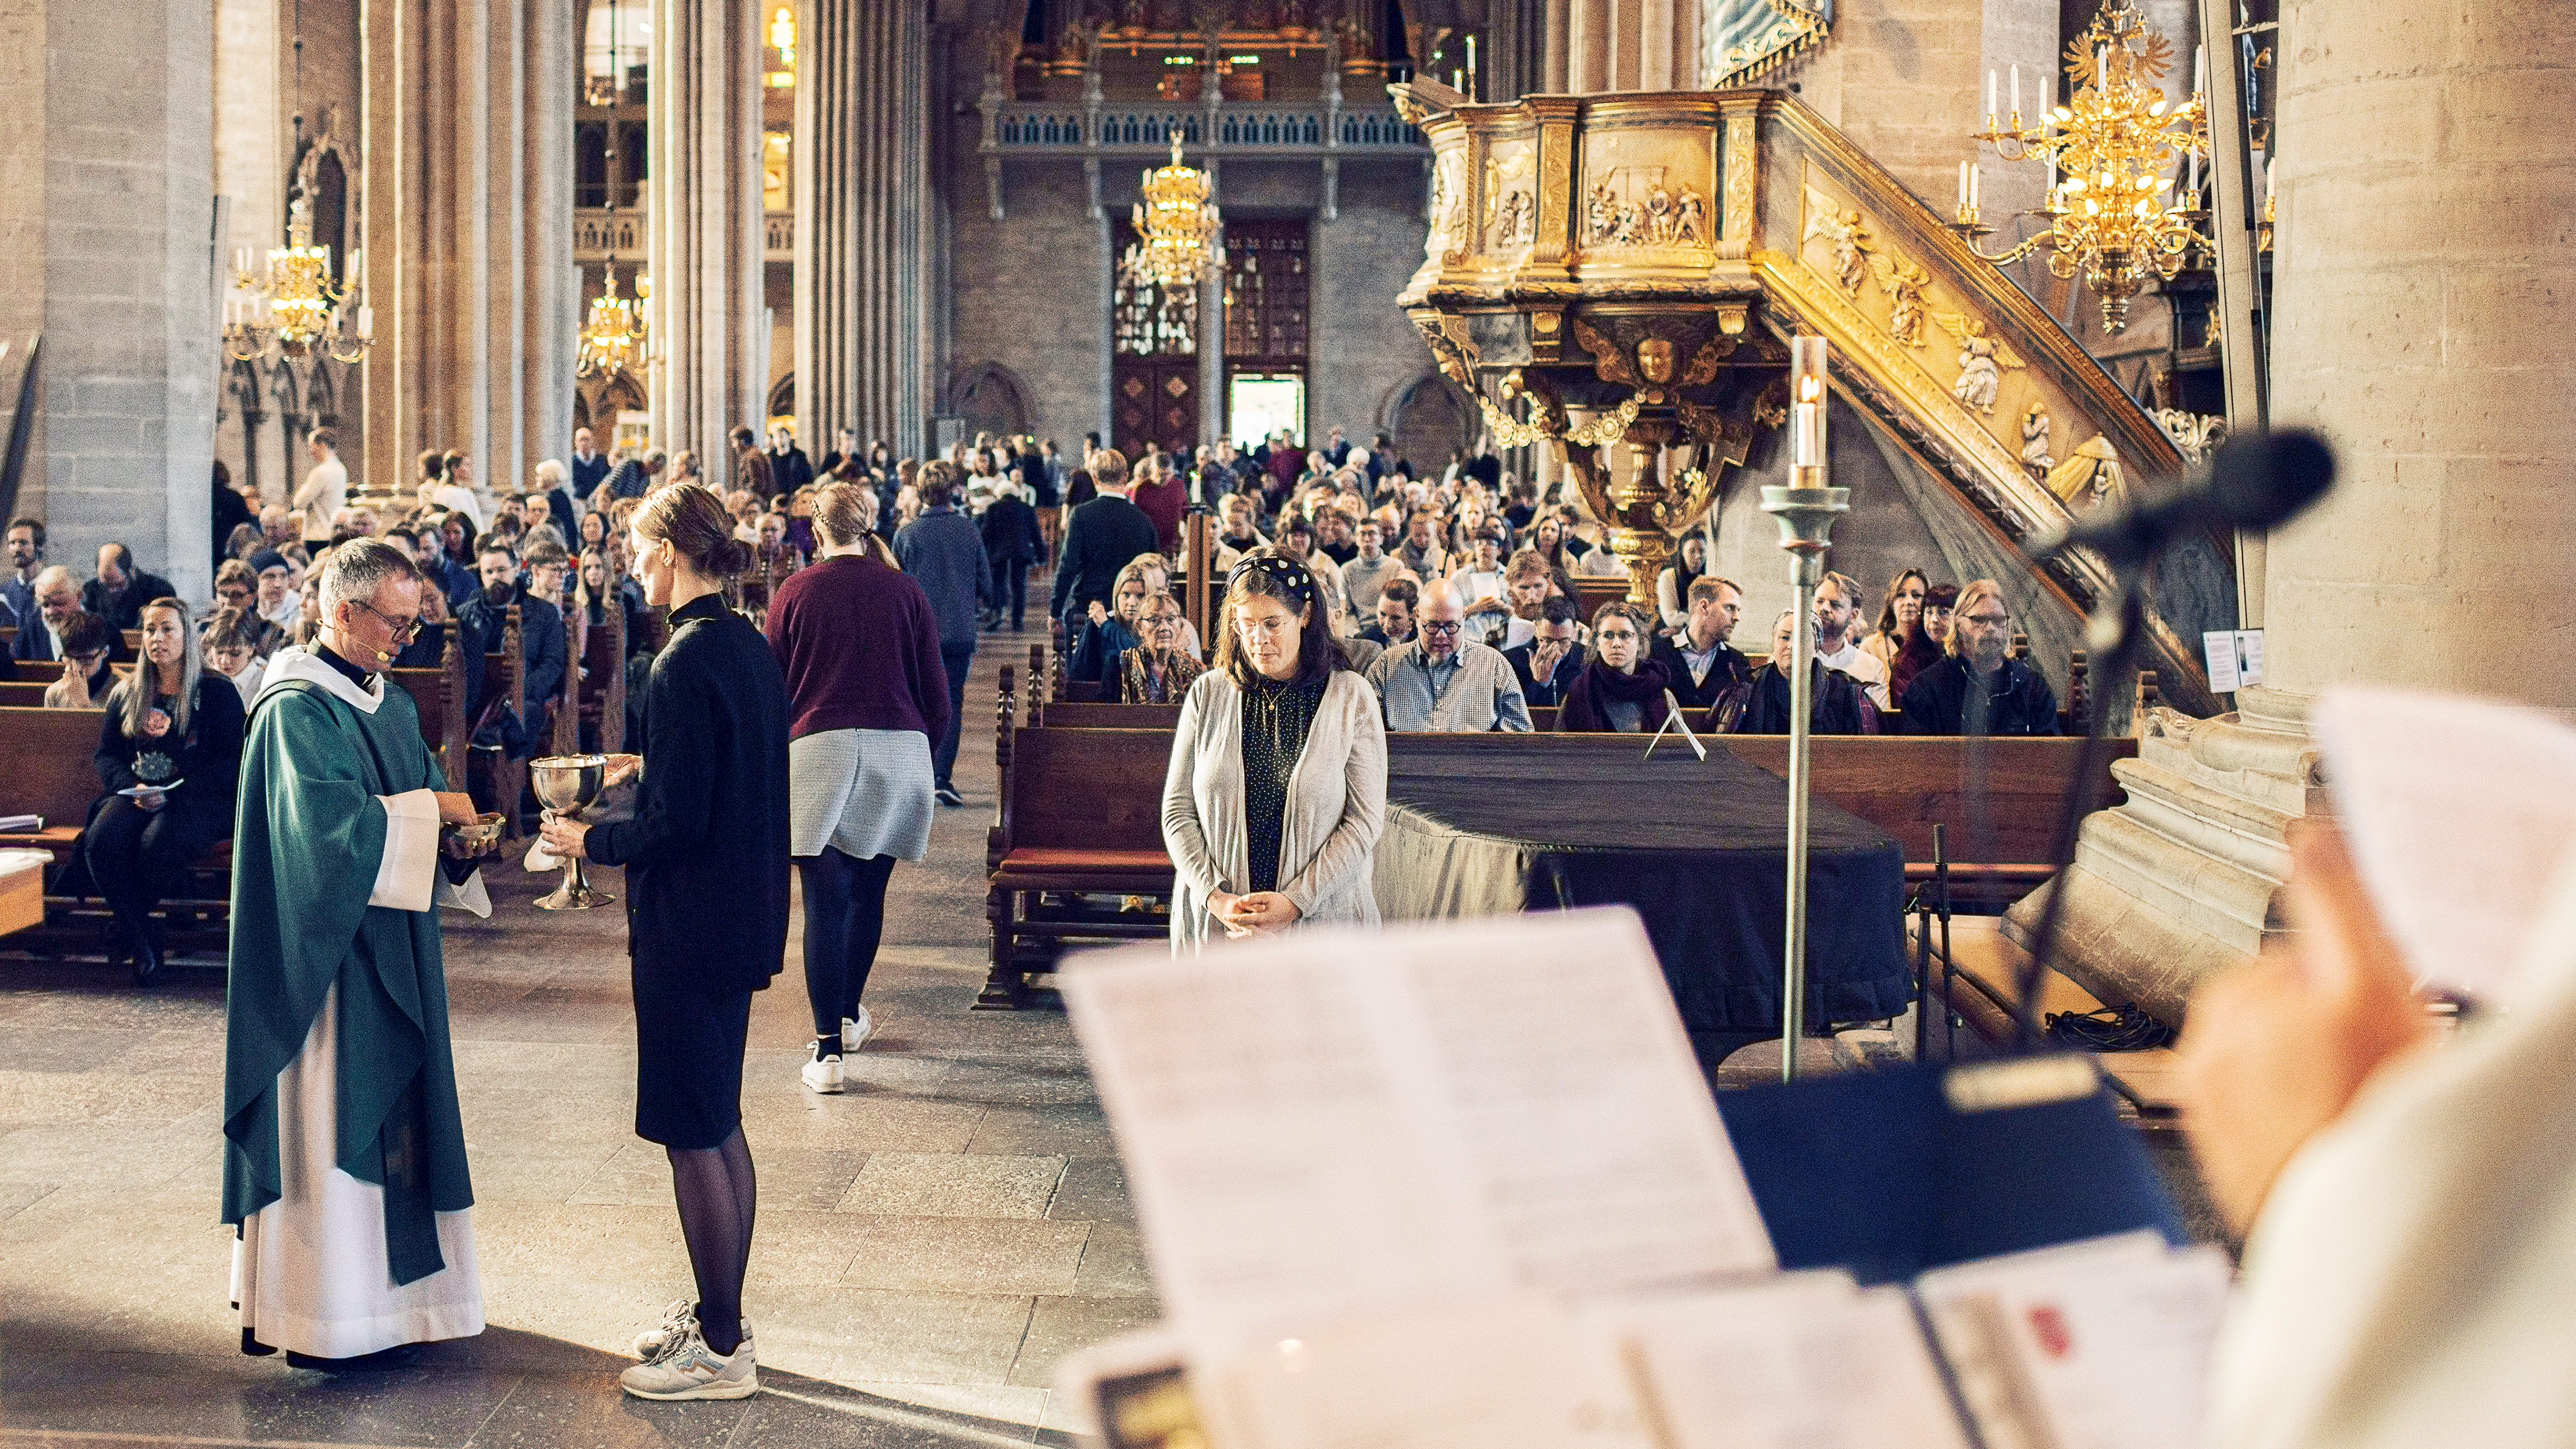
[1923,644]
[1619,689]
[707,847]
[1672,586]
[1276,791]
[868,694]
[169,753]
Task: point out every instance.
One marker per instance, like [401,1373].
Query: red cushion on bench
[1061,860]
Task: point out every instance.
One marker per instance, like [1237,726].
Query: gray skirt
[862,792]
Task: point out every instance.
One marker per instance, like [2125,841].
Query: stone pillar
[2423,326]
[712,349]
[863,207]
[106,247]
[2422,330]
[467,209]
[1628,45]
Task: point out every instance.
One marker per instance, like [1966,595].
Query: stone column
[106,247]
[862,208]
[2423,325]
[2422,329]
[707,313]
[1628,45]
[467,208]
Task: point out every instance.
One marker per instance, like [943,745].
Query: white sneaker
[688,1369]
[855,1031]
[676,1320]
[823,1074]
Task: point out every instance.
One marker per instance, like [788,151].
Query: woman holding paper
[1277,786]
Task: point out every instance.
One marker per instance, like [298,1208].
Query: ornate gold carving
[1609,356]
[1655,359]
[1618,214]
[1771,409]
[1840,226]
[1983,359]
[2034,443]
[1454,354]
[1511,205]
[1743,171]
[1447,242]
[1903,281]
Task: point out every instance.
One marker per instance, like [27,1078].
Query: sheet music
[2088,1346]
[1806,1361]
[1518,1371]
[1335,1121]
[2457,812]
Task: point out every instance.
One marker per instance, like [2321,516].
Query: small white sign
[2235,658]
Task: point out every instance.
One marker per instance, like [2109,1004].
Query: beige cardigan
[1336,807]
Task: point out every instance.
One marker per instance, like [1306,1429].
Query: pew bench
[1080,816]
[50,774]
[1973,975]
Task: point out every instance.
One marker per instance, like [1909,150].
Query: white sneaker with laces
[676,1319]
[855,1031]
[822,1073]
[688,1369]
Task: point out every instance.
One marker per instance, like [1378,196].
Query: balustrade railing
[1057,126]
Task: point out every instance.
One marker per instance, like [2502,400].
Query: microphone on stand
[2260,481]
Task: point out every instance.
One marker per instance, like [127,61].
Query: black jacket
[587,475]
[2021,703]
[788,471]
[125,610]
[1551,693]
[708,844]
[1727,669]
[1100,538]
[1760,706]
[207,758]
[1011,531]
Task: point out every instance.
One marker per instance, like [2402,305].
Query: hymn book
[1331,1122]
[2458,813]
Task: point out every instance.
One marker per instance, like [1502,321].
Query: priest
[344,1158]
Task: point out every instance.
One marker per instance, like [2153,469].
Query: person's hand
[2277,1051]
[1099,615]
[1543,659]
[153,801]
[1259,913]
[564,839]
[621,768]
[455,807]
[156,723]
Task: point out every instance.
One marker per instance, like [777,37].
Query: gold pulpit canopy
[1617,275]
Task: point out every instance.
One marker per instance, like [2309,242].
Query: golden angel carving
[1983,358]
[1903,282]
[1841,229]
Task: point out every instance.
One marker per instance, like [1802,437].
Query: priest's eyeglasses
[404,630]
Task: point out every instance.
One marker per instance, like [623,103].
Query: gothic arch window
[990,399]
[782,397]
[1427,418]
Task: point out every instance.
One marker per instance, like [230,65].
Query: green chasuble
[308,843]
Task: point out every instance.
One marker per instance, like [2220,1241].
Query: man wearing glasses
[1974,689]
[344,1149]
[1441,681]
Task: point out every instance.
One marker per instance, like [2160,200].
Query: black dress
[133,855]
[1276,719]
[706,880]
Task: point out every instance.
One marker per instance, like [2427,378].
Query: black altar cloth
[1699,849]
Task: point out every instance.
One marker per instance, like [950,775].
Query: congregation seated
[1548,663]
[1924,645]
[87,675]
[1109,630]
[1900,617]
[1838,640]
[1699,657]
[1157,670]
[428,648]
[1619,689]
[1760,705]
[169,752]
[1673,584]
[1977,688]
[1393,622]
[39,641]
[276,590]
[231,647]
[1368,570]
[237,592]
[1441,681]
[120,590]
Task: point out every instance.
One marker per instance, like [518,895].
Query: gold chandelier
[613,338]
[292,306]
[2112,151]
[1177,223]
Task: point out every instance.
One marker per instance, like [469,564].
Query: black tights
[717,1202]
[844,917]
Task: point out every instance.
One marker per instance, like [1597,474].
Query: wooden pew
[50,774]
[602,682]
[495,780]
[1978,975]
[439,695]
[1081,814]
[24,693]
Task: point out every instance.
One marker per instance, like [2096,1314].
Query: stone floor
[928,1244]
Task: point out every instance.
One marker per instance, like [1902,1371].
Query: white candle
[1963,187]
[357,267]
[1990,94]
[366,323]
[1974,173]
[2016,93]
[1807,413]
[1471,65]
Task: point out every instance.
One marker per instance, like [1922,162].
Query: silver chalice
[564,785]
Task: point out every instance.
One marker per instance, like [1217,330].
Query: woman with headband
[1277,786]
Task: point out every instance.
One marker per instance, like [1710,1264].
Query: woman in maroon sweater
[866,694]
